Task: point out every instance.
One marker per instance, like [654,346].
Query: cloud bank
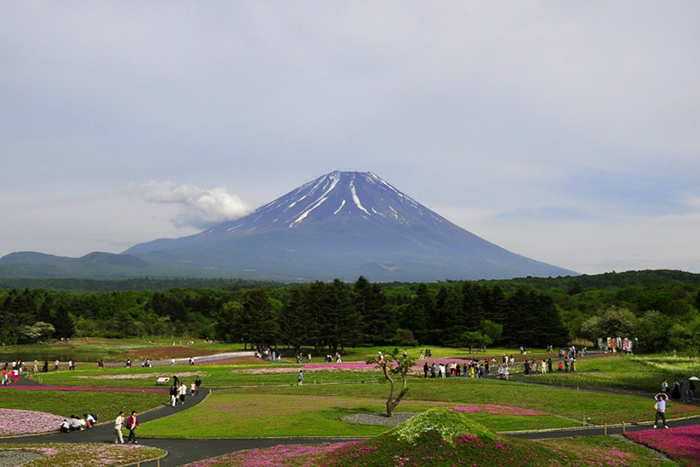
[198,207]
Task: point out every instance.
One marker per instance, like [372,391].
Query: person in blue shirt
[660,407]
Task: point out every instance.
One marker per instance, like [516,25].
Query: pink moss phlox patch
[15,422]
[681,444]
[282,455]
[497,410]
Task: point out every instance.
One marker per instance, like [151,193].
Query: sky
[567,132]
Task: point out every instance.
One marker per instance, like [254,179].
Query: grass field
[630,373]
[106,405]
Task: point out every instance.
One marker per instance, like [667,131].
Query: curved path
[180,451]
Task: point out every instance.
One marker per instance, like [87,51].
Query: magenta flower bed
[282,455]
[15,422]
[497,410]
[310,367]
[682,444]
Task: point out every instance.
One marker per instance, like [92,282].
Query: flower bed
[15,422]
[682,444]
[86,455]
[498,410]
[290,455]
[309,367]
[141,376]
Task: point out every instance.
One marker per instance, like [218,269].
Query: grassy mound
[448,423]
[442,437]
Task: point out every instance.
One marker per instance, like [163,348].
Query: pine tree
[472,306]
[378,324]
[63,325]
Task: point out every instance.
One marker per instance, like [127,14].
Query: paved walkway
[180,451]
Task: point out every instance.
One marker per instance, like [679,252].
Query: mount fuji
[343,224]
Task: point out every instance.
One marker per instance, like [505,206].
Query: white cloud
[198,207]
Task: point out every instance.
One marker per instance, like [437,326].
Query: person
[691,390]
[118,424]
[300,378]
[172,362]
[90,420]
[173,395]
[131,424]
[74,423]
[183,392]
[660,407]
[198,383]
[193,388]
[676,392]
[65,426]
[685,393]
[664,386]
[426,369]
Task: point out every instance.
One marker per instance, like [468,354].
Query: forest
[657,308]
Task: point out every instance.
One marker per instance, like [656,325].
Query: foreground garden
[258,399]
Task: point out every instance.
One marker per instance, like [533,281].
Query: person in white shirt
[118,424]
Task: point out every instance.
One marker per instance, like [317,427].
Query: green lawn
[212,376]
[236,414]
[106,405]
[637,373]
[315,410]
[573,404]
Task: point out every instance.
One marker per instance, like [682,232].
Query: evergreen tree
[342,326]
[472,306]
[263,325]
[378,322]
[422,312]
[295,322]
[64,325]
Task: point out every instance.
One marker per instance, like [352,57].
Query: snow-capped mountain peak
[343,195]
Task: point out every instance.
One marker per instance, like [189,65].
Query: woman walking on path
[118,424]
[131,424]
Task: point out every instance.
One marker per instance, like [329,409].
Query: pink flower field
[682,444]
[14,422]
[278,456]
[309,368]
[497,410]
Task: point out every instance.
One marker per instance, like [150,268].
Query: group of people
[10,372]
[425,354]
[178,390]
[682,391]
[268,353]
[130,423]
[78,424]
[471,369]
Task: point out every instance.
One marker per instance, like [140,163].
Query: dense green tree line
[659,308]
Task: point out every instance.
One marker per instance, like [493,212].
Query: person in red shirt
[131,424]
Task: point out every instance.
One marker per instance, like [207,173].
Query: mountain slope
[344,224]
